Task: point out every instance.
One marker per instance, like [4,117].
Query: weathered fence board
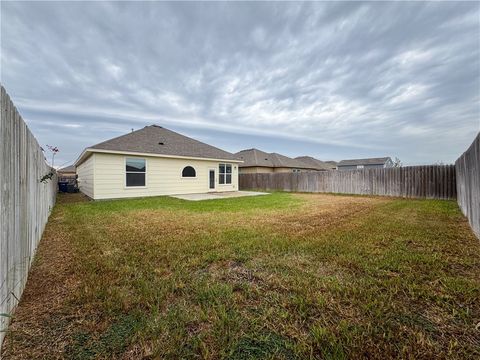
[467,168]
[432,182]
[25,204]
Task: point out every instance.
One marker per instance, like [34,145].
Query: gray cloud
[332,80]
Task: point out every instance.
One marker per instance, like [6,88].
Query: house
[154,161]
[321,165]
[371,163]
[331,164]
[67,174]
[67,171]
[257,161]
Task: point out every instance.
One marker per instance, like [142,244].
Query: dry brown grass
[41,327]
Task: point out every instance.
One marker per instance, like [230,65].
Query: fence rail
[25,204]
[432,182]
[467,168]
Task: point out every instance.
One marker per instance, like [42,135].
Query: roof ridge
[382,157]
[117,137]
[376,160]
[155,139]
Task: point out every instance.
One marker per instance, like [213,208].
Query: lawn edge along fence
[430,182]
[460,181]
[26,203]
[467,168]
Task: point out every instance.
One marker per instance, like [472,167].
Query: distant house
[257,161]
[331,164]
[371,163]
[67,171]
[154,161]
[320,165]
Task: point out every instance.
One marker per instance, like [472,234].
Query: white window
[135,172]
[360,166]
[225,174]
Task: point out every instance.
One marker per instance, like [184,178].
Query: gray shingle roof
[66,169]
[155,139]
[255,157]
[369,161]
[320,165]
[333,163]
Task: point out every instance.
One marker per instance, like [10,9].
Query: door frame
[214,179]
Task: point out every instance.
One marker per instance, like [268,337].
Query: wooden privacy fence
[25,201]
[433,182]
[467,168]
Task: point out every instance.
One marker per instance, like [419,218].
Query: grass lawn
[282,276]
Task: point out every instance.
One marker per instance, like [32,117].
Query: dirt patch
[65,198]
[233,272]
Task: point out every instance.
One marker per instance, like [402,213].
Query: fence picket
[412,181]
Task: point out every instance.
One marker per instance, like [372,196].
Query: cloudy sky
[331,80]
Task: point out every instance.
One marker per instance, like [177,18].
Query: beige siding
[85,172]
[283,170]
[164,177]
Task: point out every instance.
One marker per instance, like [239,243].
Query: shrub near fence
[25,201]
[432,182]
[467,168]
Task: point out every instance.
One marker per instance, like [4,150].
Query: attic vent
[161,143]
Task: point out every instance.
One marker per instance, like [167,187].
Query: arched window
[188,171]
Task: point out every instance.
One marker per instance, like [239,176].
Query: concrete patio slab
[217,195]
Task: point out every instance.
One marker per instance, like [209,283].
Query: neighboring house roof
[157,140]
[67,169]
[255,157]
[284,161]
[369,161]
[318,164]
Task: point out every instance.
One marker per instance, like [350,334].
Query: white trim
[125,174]
[133,153]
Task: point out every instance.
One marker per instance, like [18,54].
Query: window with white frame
[225,174]
[135,172]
